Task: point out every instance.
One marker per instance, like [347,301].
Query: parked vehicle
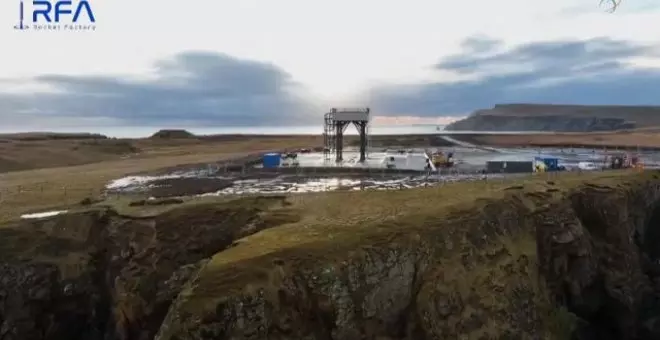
[547,164]
[588,166]
[440,160]
[623,161]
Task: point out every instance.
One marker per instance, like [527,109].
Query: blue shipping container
[271,160]
[551,163]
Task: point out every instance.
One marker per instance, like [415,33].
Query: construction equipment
[616,162]
[390,163]
[547,164]
[624,161]
[441,161]
[290,159]
[540,166]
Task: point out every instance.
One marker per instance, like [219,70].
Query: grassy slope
[335,224]
[331,225]
[46,188]
[34,151]
[51,183]
[173,236]
[343,229]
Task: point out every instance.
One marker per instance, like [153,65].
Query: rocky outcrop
[596,266]
[97,275]
[438,281]
[51,283]
[37,302]
[532,265]
[561,118]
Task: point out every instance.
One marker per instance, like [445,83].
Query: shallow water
[43,214]
[133,181]
[468,161]
[287,184]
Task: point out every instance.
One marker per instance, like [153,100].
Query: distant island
[560,118]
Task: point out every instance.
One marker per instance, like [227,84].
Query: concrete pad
[376,160]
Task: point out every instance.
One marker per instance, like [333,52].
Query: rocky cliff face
[534,265]
[539,261]
[563,118]
[97,275]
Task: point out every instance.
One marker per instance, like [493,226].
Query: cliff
[539,261]
[564,118]
[551,258]
[95,274]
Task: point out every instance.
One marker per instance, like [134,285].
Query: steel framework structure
[335,123]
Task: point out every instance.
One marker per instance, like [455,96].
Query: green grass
[59,186]
[334,224]
[351,214]
[478,240]
[121,204]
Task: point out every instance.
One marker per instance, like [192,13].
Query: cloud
[598,71]
[480,43]
[192,89]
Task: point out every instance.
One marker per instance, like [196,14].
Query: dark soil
[173,187]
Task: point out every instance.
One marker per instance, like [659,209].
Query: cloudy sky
[264,62]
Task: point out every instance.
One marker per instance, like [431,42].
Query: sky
[286,62]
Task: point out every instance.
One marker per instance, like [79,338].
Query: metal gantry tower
[328,135]
[335,123]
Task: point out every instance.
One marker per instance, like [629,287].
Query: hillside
[553,256]
[27,151]
[521,259]
[493,262]
[563,118]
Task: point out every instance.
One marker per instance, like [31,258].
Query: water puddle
[283,185]
[43,214]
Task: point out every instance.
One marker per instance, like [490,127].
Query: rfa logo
[57,15]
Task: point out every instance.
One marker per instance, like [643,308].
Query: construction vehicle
[547,164]
[624,161]
[290,159]
[440,160]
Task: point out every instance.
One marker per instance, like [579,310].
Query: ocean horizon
[146,131]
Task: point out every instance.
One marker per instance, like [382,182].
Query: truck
[440,160]
[547,164]
[623,161]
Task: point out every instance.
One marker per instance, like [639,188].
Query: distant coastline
[559,118]
[146,131]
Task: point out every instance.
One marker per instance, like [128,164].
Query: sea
[146,131]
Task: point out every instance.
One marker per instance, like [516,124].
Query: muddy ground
[243,175]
